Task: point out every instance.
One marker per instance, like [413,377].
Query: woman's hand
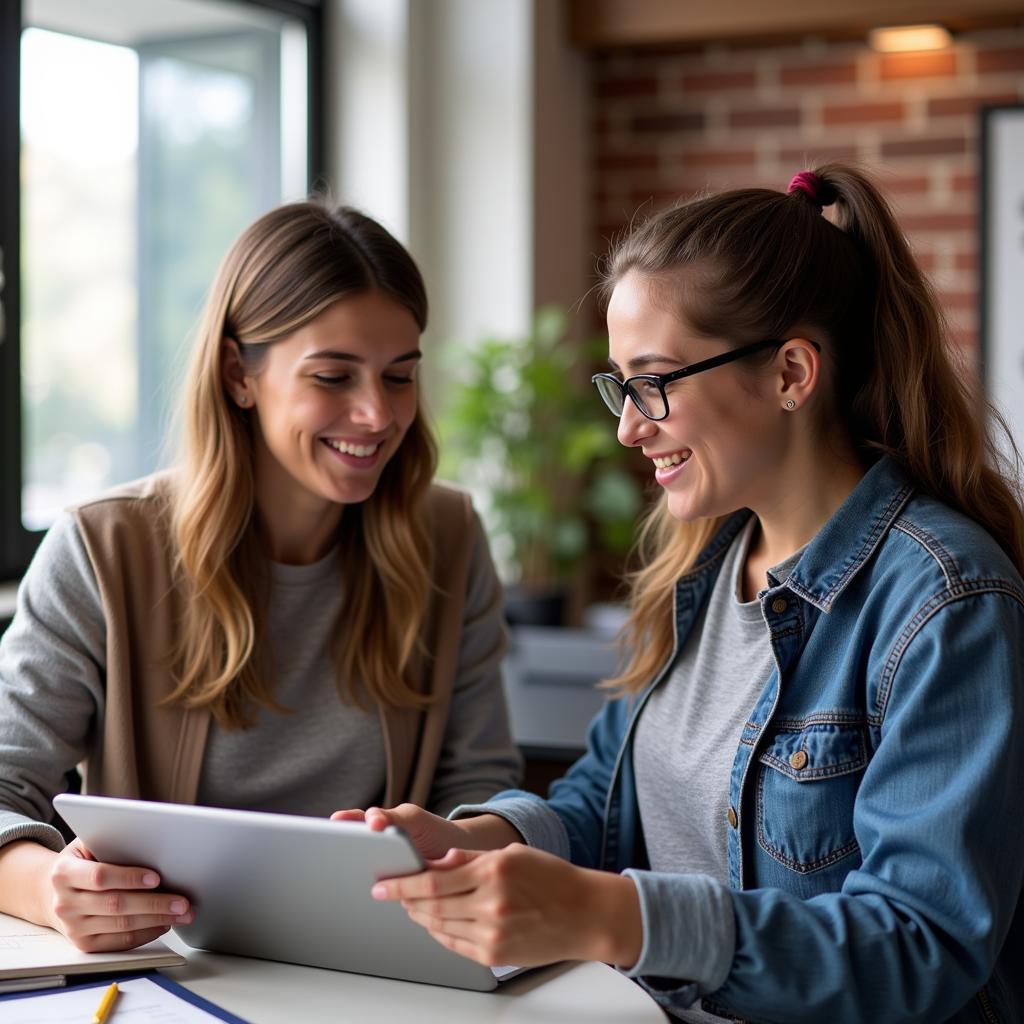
[521,906]
[106,907]
[432,835]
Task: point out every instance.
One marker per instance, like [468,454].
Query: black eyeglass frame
[659,380]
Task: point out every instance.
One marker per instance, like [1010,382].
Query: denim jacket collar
[850,536]
[693,587]
[834,556]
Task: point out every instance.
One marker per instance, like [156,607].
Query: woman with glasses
[295,619]
[805,802]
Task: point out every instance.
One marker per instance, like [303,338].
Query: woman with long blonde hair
[805,803]
[296,618]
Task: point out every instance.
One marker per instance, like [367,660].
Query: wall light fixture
[902,38]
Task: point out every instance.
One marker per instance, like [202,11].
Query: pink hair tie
[816,190]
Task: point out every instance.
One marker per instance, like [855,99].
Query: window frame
[17,544]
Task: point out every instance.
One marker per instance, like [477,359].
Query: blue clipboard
[173,987]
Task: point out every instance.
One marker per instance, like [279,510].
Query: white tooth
[359,450]
[665,461]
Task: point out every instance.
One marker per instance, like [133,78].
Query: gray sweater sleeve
[530,815]
[52,667]
[478,757]
[688,933]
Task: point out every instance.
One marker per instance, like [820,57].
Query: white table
[265,992]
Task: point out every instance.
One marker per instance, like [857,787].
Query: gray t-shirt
[326,755]
[689,730]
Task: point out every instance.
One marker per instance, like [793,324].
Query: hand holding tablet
[277,886]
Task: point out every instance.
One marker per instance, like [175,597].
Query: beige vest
[153,753]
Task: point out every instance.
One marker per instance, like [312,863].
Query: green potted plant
[525,431]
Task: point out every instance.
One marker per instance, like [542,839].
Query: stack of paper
[35,957]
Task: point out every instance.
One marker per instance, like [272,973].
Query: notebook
[278,886]
[32,951]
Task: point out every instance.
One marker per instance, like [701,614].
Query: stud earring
[790,404]
[243,399]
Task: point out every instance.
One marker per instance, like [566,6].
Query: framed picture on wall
[1002,261]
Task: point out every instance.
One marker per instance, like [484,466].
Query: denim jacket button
[798,759]
[731,815]
[779,605]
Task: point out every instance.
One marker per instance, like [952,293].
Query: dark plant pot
[536,604]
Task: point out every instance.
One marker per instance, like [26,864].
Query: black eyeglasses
[647,390]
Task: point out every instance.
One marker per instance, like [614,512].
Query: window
[149,135]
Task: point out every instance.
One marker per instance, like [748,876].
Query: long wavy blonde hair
[281,273]
[767,261]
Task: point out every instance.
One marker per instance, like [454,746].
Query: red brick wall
[668,124]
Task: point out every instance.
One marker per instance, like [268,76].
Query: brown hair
[759,263]
[281,273]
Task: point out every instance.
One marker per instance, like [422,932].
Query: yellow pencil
[106,1003]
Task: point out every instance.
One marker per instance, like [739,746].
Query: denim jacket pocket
[807,785]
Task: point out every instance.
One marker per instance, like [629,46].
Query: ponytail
[914,404]
[768,261]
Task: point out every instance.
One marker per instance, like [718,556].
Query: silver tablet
[277,886]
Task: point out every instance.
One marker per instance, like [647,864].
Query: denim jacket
[876,827]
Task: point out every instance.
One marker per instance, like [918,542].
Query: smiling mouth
[360,451]
[675,459]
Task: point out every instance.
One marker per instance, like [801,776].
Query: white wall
[366,111]
[472,195]
[460,124]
